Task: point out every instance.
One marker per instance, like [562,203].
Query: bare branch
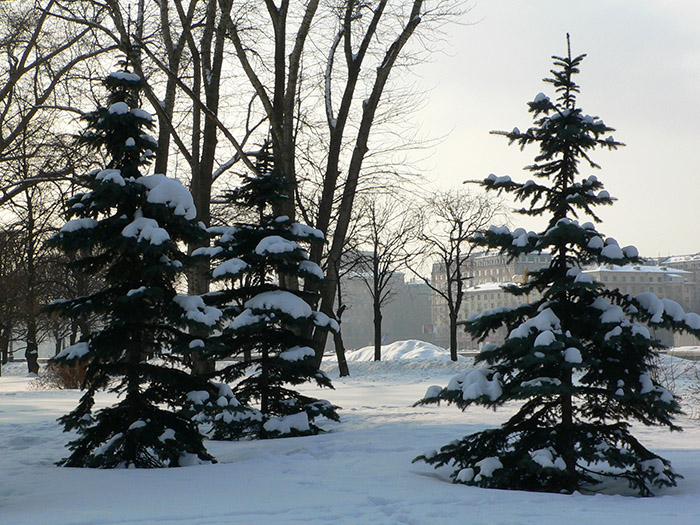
[209,114]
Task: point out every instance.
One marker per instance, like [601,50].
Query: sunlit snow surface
[411,349]
[359,472]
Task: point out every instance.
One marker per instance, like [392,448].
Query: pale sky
[641,76]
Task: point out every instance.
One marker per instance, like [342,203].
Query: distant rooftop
[487,287]
[635,268]
[682,258]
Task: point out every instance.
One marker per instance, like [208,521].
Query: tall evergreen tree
[579,357]
[260,263]
[127,226]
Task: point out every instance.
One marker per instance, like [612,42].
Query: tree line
[312,80]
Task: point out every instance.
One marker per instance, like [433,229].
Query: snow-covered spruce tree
[259,264]
[579,358]
[126,226]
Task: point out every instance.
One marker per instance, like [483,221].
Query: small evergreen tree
[126,226]
[260,264]
[579,358]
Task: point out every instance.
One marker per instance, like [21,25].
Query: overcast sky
[641,76]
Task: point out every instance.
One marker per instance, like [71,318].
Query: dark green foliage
[578,358]
[126,226]
[260,265]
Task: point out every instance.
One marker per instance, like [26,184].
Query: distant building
[688,263]
[677,279]
[486,274]
[406,315]
[438,307]
[666,282]
[489,268]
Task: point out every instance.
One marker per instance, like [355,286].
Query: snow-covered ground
[359,472]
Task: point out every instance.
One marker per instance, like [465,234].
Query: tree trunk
[264,381]
[453,336]
[84,327]
[32,351]
[377,332]
[198,283]
[343,370]
[73,337]
[326,300]
[212,48]
[5,343]
[566,435]
[201,365]
[59,344]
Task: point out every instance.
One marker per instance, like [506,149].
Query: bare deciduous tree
[450,219]
[37,59]
[11,285]
[369,42]
[35,212]
[311,72]
[389,227]
[177,47]
[355,55]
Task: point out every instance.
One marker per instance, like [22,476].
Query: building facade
[486,274]
[406,314]
[676,278]
[664,281]
[691,264]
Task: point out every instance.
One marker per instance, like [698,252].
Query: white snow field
[359,472]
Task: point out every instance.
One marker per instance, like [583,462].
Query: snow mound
[411,349]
